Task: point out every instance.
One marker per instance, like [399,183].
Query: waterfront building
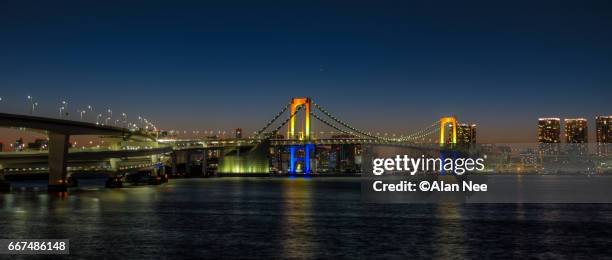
[549,130]
[603,129]
[603,135]
[576,130]
[466,133]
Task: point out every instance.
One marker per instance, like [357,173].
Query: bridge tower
[305,145]
[443,121]
[295,104]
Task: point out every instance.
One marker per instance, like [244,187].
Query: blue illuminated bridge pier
[291,143]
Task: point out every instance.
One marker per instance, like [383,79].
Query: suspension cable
[258,133]
[275,131]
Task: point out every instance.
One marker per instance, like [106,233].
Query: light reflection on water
[296,218]
[298,227]
[449,232]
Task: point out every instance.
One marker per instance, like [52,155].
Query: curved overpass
[59,132]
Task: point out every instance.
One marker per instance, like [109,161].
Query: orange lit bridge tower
[452,121]
[300,152]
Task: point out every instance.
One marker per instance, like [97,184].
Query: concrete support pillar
[114,164]
[58,153]
[115,179]
[154,161]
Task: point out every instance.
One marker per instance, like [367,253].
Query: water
[295,218]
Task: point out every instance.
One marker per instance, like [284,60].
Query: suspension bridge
[306,134]
[133,150]
[302,139]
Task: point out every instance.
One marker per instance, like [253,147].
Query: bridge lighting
[30,103]
[63,109]
[124,117]
[81,112]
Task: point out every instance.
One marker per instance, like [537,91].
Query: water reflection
[449,233]
[296,218]
[297,223]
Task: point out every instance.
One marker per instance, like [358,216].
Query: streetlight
[124,117]
[98,119]
[90,109]
[61,110]
[30,103]
[65,107]
[81,112]
[34,107]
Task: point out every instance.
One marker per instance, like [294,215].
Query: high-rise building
[603,129]
[466,133]
[238,133]
[549,130]
[576,130]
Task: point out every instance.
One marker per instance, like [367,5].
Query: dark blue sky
[381,65]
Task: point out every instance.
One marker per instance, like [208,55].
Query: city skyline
[306,129]
[385,67]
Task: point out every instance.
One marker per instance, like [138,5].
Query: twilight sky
[381,65]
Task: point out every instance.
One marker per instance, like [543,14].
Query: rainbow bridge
[301,117]
[309,129]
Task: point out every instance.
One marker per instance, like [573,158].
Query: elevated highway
[59,132]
